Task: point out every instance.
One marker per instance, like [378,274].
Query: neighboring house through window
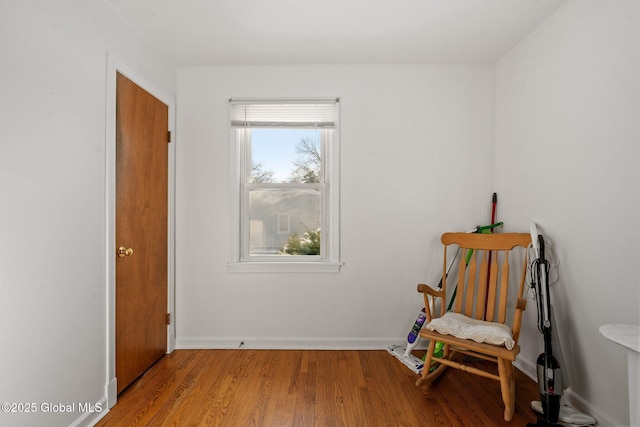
[285,154]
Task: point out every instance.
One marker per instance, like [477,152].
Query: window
[286,195]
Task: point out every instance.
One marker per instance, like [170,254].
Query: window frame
[329,259]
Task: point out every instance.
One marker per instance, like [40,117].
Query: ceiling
[290,32]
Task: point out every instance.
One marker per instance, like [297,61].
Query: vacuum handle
[534,238]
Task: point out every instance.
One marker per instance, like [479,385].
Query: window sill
[284,267]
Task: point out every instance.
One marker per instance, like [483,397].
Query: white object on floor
[410,361]
[568,416]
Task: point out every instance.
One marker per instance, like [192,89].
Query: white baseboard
[90,418]
[112,393]
[527,367]
[201,343]
[575,400]
[572,398]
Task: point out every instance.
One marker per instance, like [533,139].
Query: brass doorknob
[122,251]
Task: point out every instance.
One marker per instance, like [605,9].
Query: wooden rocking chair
[477,325]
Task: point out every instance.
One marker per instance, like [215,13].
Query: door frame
[114,66]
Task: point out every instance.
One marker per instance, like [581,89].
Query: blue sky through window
[275,149]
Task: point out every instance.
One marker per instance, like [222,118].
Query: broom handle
[494,202]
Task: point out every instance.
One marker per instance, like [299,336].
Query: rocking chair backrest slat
[491,295]
[492,288]
[482,285]
[470,288]
[504,289]
[462,269]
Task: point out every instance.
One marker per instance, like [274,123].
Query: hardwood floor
[309,388]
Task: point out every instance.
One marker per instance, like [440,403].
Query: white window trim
[331,261]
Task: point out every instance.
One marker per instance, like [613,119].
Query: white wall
[416,159]
[567,147]
[52,199]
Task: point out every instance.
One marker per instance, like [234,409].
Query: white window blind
[316,113]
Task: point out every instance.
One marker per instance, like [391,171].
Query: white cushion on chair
[461,326]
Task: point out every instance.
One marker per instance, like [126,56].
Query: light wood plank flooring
[309,388]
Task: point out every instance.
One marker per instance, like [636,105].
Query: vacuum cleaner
[550,384]
[548,368]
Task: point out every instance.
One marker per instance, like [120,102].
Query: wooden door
[141,230]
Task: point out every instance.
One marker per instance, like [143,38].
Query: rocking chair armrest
[426,289]
[429,294]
